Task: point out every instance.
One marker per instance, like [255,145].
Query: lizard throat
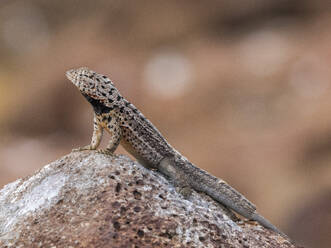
[98,107]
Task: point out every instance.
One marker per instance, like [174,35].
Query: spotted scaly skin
[128,126]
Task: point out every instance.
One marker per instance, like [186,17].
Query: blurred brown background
[241,88]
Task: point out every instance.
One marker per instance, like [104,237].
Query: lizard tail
[223,193]
[216,188]
[264,222]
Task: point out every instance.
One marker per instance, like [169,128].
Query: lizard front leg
[96,137]
[114,129]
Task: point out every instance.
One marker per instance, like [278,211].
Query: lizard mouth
[72,76]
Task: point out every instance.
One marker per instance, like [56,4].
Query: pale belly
[128,147]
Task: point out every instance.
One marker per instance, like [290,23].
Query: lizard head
[96,88]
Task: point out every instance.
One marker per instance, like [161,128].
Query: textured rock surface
[88,199]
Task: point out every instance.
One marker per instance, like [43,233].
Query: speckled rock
[87,199]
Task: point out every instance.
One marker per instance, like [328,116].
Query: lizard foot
[84,148]
[105,151]
[185,191]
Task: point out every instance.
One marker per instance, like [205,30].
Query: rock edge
[88,199]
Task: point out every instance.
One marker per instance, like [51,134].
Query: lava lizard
[128,126]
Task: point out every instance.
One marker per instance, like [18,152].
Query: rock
[87,199]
